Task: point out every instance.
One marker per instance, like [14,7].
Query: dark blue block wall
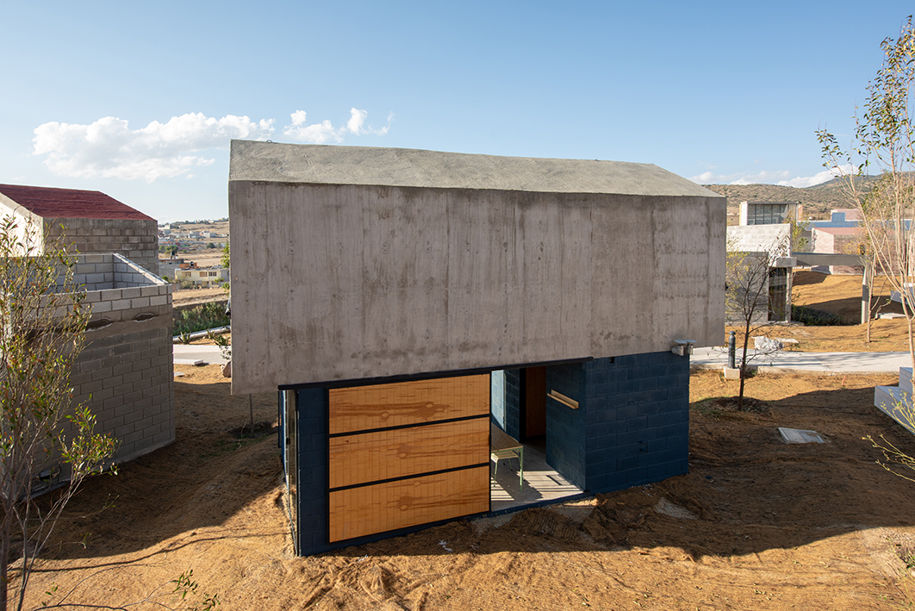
[632,425]
[313,451]
[565,427]
[505,405]
[636,419]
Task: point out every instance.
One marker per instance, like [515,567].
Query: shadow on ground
[746,491]
[207,475]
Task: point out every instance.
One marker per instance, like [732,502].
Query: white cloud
[108,147]
[819,177]
[776,177]
[761,177]
[706,178]
[318,133]
[356,120]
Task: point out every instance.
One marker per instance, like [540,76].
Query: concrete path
[703,358]
[188,354]
[834,362]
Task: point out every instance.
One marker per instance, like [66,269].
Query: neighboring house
[124,374]
[769,212]
[92,221]
[838,240]
[203,276]
[774,242]
[841,217]
[418,301]
[167,267]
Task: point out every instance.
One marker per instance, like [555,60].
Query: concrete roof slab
[359,165]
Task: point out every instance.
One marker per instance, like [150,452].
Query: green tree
[884,144]
[226,259]
[42,436]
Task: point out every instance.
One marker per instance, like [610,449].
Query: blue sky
[140,100]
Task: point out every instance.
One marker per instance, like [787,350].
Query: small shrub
[201,317]
[811,316]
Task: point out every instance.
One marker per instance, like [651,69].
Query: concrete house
[757,212]
[124,374]
[453,334]
[772,241]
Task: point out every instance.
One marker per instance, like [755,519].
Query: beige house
[204,276]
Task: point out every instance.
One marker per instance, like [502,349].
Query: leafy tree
[884,144]
[43,439]
[226,259]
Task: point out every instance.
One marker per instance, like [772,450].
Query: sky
[140,100]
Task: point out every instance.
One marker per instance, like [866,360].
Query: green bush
[201,317]
[811,316]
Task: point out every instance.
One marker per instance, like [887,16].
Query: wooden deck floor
[541,482]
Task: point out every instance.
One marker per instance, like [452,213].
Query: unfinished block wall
[125,373]
[137,240]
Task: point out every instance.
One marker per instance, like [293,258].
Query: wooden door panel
[363,408]
[377,508]
[371,457]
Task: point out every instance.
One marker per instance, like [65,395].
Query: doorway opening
[520,474]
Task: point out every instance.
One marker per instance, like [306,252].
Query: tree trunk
[868,290]
[743,363]
[4,563]
[911,347]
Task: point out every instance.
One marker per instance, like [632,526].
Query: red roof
[48,202]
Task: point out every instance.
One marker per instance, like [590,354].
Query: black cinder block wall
[632,426]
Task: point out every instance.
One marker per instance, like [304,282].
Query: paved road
[188,354]
[836,362]
[704,358]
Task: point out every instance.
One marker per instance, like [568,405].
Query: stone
[799,435]
[731,373]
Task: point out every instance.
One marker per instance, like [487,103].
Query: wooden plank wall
[362,408]
[370,457]
[367,510]
[362,458]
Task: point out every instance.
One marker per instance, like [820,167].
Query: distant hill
[817,200]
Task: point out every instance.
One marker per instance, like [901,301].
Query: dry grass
[841,296]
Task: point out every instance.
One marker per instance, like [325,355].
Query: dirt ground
[755,524]
[840,295]
[195,296]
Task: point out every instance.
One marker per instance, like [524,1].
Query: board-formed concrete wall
[334,282]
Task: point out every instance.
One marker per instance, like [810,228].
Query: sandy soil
[755,524]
